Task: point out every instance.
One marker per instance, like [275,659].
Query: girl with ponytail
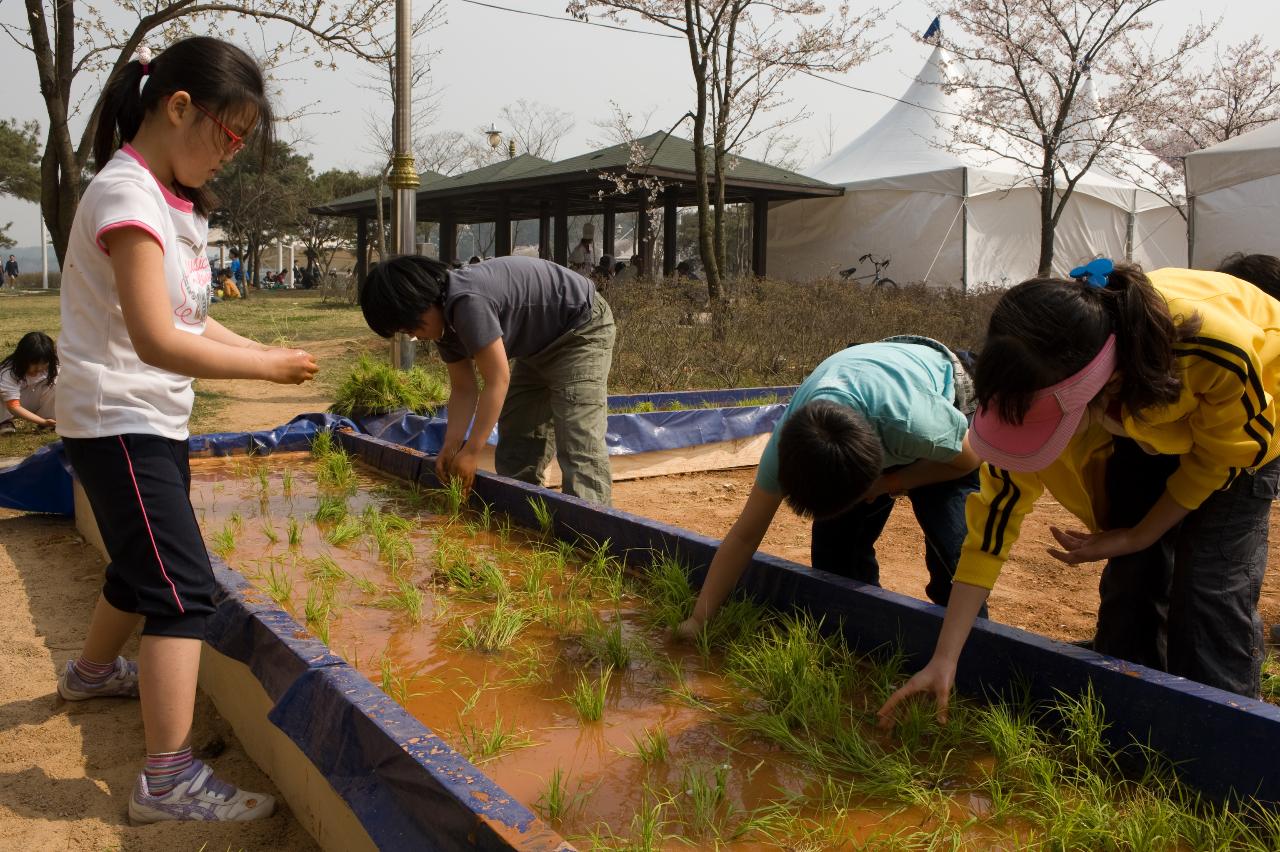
[1146,404]
[135,331]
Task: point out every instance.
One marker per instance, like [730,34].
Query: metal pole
[404,178]
[44,254]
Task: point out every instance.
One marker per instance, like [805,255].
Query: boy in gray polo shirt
[553,326]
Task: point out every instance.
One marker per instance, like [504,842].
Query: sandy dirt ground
[66,769]
[1035,591]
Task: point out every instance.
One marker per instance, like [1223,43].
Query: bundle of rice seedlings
[373,387]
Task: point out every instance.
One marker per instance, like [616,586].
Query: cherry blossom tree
[1023,67]
[76,45]
[741,53]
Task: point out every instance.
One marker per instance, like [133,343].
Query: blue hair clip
[1095,273]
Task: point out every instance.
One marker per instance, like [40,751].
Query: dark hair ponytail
[35,347]
[218,76]
[1047,329]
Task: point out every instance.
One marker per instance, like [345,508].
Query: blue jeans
[846,544]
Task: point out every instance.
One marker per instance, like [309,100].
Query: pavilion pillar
[502,229]
[544,230]
[448,237]
[610,229]
[644,239]
[362,250]
[560,252]
[670,222]
[759,236]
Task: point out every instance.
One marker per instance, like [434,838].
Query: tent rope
[945,237]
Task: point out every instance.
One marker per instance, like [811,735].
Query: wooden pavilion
[626,178]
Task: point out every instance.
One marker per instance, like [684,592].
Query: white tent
[1234,192]
[947,219]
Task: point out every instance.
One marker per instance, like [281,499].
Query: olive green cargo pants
[557,403]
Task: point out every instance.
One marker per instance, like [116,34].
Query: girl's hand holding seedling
[444,460]
[688,630]
[289,366]
[935,679]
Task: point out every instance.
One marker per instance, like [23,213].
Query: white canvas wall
[816,238]
[1244,217]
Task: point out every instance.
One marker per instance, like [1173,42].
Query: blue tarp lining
[42,481]
[1220,742]
[407,787]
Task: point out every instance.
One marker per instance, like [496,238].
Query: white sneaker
[198,796]
[123,683]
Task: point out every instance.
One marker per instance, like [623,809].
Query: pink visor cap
[1052,419]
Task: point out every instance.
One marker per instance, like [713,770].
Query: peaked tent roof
[907,149]
[1249,156]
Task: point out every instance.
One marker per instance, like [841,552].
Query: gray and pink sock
[91,673]
[163,771]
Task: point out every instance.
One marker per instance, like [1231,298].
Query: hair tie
[143,57]
[1095,273]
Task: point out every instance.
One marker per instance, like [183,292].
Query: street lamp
[494,135]
[404,177]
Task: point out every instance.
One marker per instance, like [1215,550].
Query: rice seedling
[319,604]
[295,532]
[364,584]
[236,520]
[330,509]
[652,746]
[325,570]
[482,745]
[286,483]
[667,591]
[486,515]
[602,569]
[533,582]
[706,803]
[530,666]
[322,444]
[566,618]
[607,643]
[406,598]
[394,547]
[588,697]
[449,499]
[555,803]
[264,481]
[224,541]
[270,532]
[279,585]
[408,494]
[397,684]
[494,630]
[344,532]
[542,515]
[335,471]
[505,528]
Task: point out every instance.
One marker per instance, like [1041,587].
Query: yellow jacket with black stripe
[1222,425]
[1224,422]
[995,511]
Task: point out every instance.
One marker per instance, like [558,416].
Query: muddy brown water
[464,695]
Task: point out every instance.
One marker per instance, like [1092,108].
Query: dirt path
[1035,591]
[66,769]
[262,405]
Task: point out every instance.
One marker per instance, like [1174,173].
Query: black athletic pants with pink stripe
[139,487]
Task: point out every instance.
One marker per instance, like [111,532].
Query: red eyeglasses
[236,141]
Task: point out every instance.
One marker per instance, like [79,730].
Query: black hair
[475,258]
[399,290]
[35,347]
[1260,270]
[1047,329]
[828,456]
[218,76]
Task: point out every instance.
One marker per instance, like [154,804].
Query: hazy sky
[489,58]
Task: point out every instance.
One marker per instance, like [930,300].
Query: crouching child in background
[555,327]
[870,422]
[27,379]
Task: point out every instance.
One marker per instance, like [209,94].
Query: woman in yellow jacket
[1183,364]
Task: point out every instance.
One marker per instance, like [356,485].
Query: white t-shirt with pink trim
[104,388]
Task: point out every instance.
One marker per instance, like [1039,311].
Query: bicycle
[877,279]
